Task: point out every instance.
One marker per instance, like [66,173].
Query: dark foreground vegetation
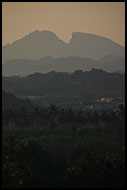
[53,147]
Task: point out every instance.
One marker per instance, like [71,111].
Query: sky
[106,19]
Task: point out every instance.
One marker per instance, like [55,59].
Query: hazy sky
[63,18]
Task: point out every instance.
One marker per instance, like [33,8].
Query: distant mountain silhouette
[109,63]
[64,88]
[39,44]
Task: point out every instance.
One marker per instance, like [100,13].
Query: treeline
[54,147]
[54,116]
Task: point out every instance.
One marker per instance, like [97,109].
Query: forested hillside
[64,88]
[60,148]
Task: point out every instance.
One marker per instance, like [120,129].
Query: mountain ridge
[72,36]
[40,44]
[109,63]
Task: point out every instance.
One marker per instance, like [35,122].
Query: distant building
[105,100]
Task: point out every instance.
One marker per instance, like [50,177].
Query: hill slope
[10,101]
